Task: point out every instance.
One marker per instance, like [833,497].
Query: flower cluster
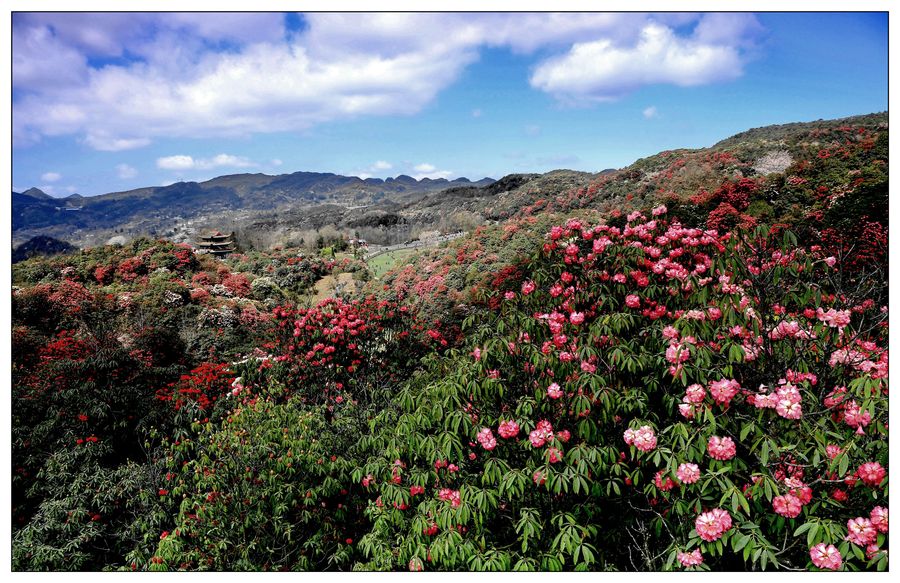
[713,524]
[643,438]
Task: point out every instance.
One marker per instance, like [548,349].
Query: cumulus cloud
[381,165]
[120,80]
[598,71]
[125,171]
[426,170]
[650,112]
[51,176]
[180,162]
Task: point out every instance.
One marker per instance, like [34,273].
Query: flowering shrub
[689,408]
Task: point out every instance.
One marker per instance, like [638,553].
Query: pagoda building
[216,243]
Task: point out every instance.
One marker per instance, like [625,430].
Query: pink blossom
[879,519]
[660,210]
[713,524]
[871,473]
[554,392]
[825,557]
[691,559]
[554,455]
[541,434]
[563,435]
[643,438]
[787,505]
[860,531]
[694,394]
[632,301]
[723,391]
[539,478]
[510,295]
[832,451]
[527,287]
[576,318]
[721,448]
[688,473]
[486,439]
[508,429]
[451,496]
[476,354]
[830,261]
[670,333]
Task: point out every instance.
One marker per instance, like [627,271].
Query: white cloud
[650,112]
[183,162]
[178,162]
[217,75]
[107,143]
[276,162]
[381,165]
[600,70]
[51,176]
[426,170]
[125,171]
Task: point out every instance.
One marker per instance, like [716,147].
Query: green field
[381,264]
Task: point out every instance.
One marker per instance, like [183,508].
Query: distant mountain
[153,209]
[37,193]
[41,245]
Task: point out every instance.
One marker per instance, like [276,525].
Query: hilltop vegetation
[679,364]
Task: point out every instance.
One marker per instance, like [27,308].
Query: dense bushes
[754,377]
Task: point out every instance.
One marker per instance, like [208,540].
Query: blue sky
[120,101]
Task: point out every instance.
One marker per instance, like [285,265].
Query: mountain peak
[35,192]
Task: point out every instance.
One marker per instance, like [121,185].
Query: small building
[216,244]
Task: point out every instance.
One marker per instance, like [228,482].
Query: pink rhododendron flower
[688,473]
[541,434]
[413,490]
[787,505]
[871,473]
[691,559]
[510,295]
[554,455]
[721,448]
[832,451]
[486,439]
[643,438]
[695,393]
[723,391]
[576,317]
[554,392]
[632,301]
[563,435]
[451,496]
[660,210]
[713,524]
[825,557]
[508,429]
[527,287]
[879,518]
[860,531]
[539,478]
